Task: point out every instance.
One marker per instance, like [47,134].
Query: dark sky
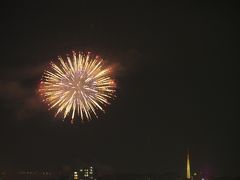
[176,74]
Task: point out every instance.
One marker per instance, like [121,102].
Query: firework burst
[78,86]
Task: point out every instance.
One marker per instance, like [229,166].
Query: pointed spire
[188,166]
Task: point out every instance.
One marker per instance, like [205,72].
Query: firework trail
[77,86]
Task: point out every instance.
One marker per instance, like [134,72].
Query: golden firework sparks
[79,85]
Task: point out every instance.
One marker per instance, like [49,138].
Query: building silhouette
[88,173]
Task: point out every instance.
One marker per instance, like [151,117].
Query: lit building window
[86,173]
[75,175]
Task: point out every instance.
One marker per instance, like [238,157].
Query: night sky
[175,66]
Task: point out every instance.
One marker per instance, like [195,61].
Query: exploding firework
[78,86]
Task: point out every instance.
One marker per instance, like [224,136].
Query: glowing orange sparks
[79,85]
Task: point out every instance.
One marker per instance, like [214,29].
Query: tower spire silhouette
[188,166]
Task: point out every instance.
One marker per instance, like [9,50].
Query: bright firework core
[78,86]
